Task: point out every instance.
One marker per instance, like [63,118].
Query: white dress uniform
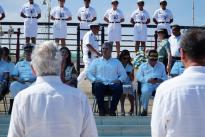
[91,39]
[31,12]
[114,27]
[86,15]
[140,28]
[60,25]
[163,18]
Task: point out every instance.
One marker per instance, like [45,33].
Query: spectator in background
[22,74]
[68,72]
[2,13]
[177,69]
[31,12]
[150,75]
[50,108]
[174,41]
[128,90]
[107,75]
[178,109]
[4,76]
[6,57]
[60,15]
[164,49]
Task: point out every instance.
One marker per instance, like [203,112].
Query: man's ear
[182,54]
[33,71]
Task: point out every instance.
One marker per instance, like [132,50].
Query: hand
[21,80]
[152,81]
[168,69]
[159,80]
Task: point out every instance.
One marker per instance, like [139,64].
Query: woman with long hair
[125,59]
[68,71]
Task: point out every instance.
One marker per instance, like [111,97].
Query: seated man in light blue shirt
[150,75]
[22,74]
[177,69]
[107,75]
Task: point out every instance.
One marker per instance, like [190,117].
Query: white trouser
[87,63]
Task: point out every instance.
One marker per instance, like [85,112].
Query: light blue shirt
[4,67]
[178,68]
[23,71]
[128,68]
[146,71]
[106,71]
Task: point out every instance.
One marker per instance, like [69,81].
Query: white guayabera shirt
[50,108]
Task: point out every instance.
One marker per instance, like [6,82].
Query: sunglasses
[153,60]
[125,58]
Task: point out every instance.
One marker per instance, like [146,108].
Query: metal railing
[16,39]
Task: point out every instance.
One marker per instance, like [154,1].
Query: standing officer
[140,18]
[2,13]
[163,17]
[60,14]
[114,17]
[31,12]
[90,48]
[86,15]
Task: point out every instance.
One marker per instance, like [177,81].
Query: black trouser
[100,90]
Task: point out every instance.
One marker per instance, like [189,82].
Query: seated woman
[68,72]
[6,57]
[125,59]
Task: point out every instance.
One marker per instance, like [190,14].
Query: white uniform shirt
[61,13]
[174,45]
[50,108]
[106,70]
[163,15]
[30,10]
[114,15]
[86,15]
[178,109]
[91,39]
[140,16]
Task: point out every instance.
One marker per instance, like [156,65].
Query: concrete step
[123,120]
[120,130]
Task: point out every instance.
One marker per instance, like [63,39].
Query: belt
[87,20]
[31,17]
[176,58]
[164,22]
[114,22]
[60,19]
[140,22]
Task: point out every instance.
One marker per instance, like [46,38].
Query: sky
[182,9]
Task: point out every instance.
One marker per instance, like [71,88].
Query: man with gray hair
[178,109]
[45,109]
[107,75]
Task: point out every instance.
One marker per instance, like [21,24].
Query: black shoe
[144,112]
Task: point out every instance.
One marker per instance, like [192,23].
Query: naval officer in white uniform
[60,14]
[114,17]
[2,13]
[140,18]
[86,15]
[31,12]
[163,17]
[90,49]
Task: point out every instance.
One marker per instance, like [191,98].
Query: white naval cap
[138,1]
[94,25]
[163,1]
[114,1]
